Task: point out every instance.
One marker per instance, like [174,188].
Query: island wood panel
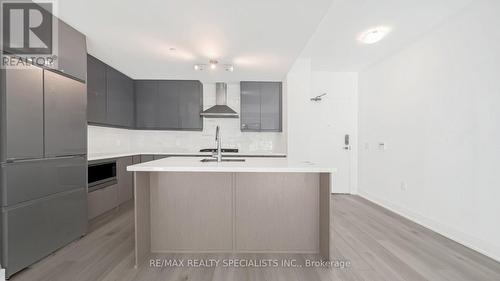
[325,220]
[142,217]
[277,212]
[191,212]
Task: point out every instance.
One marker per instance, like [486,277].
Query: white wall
[436,105]
[316,130]
[298,93]
[103,140]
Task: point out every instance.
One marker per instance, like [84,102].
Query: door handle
[347,142]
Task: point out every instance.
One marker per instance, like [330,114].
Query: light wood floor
[379,244]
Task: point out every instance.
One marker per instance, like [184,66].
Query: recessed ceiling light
[373,35]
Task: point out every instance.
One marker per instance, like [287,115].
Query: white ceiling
[334,46]
[262,38]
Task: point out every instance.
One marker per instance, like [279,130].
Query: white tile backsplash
[103,140]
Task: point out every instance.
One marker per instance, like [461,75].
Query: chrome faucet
[218,152]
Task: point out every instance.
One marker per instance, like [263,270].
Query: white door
[333,126]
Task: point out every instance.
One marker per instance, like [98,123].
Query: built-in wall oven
[101,175]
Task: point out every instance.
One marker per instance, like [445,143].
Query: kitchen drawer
[102,200]
[35,230]
[28,180]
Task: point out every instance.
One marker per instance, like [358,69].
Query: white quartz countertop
[109,156]
[207,154]
[257,164]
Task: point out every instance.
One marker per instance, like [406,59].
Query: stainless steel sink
[223,160]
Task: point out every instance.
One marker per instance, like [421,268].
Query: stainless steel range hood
[220,109]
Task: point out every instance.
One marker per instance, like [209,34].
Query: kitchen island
[261,205]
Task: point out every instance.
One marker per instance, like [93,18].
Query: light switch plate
[382,146]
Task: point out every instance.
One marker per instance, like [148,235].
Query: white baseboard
[469,241]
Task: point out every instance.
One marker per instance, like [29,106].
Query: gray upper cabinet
[110,96]
[22,122]
[96,91]
[190,105]
[270,106]
[250,106]
[169,104]
[65,116]
[146,97]
[72,51]
[261,106]
[167,110]
[120,99]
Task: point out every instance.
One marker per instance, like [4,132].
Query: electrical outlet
[367,146]
[403,186]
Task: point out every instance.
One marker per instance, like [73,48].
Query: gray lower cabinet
[136,159]
[125,179]
[22,122]
[96,91]
[28,180]
[65,116]
[119,99]
[110,197]
[36,229]
[261,106]
[147,158]
[102,201]
[160,156]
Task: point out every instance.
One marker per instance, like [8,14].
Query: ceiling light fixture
[373,35]
[199,67]
[213,64]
